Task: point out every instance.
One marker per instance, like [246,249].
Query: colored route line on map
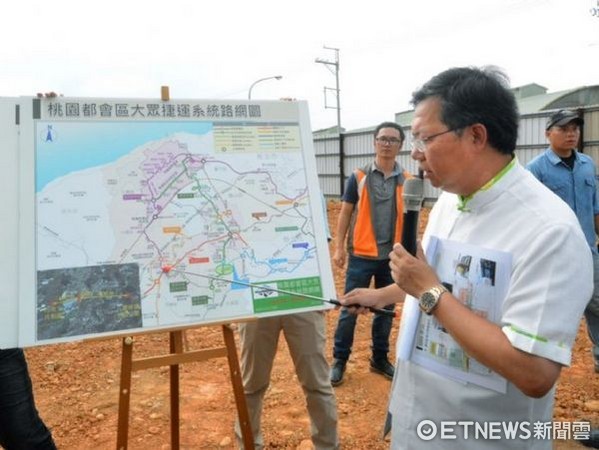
[157,209]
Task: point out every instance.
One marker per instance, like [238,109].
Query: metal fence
[358,150]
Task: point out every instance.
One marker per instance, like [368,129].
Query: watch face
[428,301]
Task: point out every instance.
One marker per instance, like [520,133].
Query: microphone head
[413,194]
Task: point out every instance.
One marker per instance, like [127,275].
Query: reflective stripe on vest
[364,238]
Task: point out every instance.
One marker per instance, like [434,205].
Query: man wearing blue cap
[572,176]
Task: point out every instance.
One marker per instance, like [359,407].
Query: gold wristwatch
[430,298]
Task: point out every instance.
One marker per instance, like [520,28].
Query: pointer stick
[386,312]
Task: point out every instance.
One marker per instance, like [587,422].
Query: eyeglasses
[419,144]
[388,141]
[569,128]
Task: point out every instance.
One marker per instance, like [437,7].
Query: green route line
[173,181]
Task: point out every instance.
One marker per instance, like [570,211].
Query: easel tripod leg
[242,409]
[125,394]
[176,346]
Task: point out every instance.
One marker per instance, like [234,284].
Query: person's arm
[480,338]
[597,224]
[340,255]
[378,298]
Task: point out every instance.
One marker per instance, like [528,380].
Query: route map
[129,215]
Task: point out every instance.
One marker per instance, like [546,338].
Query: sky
[216,50]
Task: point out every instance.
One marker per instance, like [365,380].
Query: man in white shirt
[464,134]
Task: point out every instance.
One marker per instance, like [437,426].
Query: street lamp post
[276,77]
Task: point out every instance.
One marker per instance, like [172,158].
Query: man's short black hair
[470,95]
[380,126]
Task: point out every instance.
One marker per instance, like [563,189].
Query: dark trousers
[21,427]
[359,273]
[591,312]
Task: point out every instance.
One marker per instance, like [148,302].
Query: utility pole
[334,69]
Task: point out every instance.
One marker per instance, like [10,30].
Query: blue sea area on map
[66,147]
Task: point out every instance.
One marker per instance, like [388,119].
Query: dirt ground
[76,388]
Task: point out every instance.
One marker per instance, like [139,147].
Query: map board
[138,215]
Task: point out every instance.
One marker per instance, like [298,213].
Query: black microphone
[413,194]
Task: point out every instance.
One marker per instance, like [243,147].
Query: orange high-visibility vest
[362,235]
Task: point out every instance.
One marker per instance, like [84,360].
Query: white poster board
[139,214]
[9,223]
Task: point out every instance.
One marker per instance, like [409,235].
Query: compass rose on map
[48,134]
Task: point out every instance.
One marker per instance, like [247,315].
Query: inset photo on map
[85,300]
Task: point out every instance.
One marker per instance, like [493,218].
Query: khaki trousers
[305,336]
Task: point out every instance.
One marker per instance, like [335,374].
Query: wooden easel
[179,356]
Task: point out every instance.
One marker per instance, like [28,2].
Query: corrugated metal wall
[591,133]
[358,149]
[327,165]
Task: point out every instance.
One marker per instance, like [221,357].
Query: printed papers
[477,277]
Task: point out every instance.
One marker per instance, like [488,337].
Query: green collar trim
[463,201]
